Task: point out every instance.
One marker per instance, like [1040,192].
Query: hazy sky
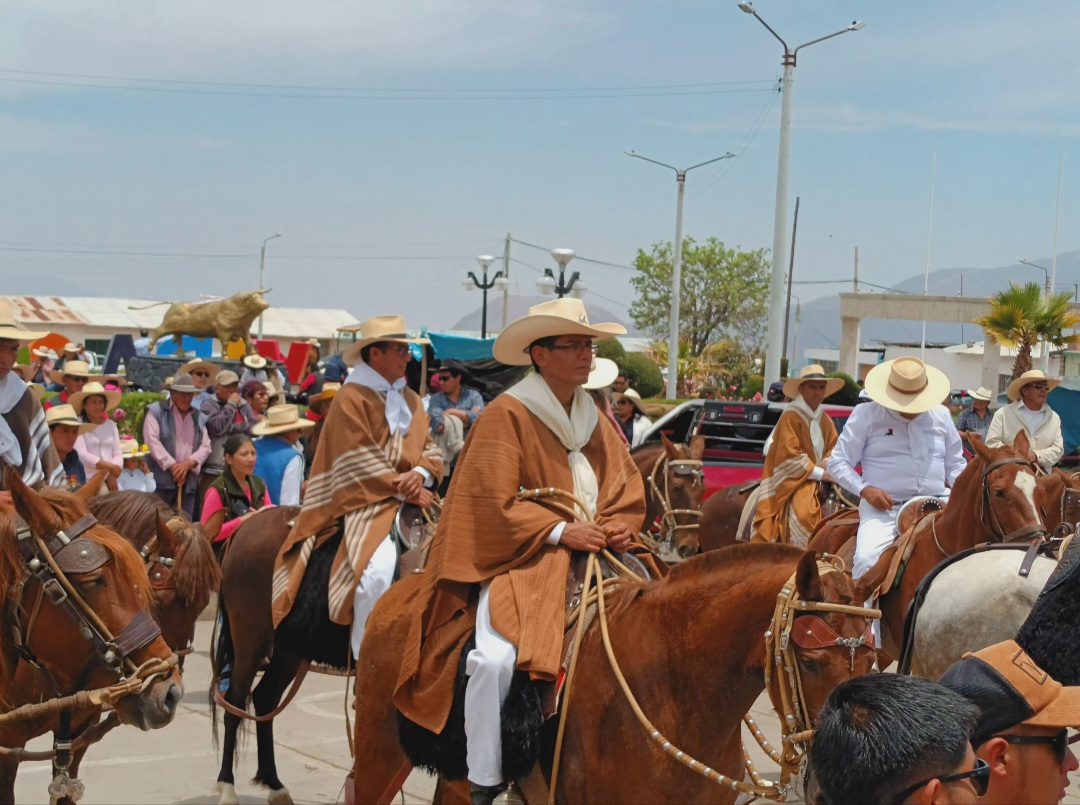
[436,126]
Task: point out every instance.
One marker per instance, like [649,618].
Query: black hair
[880,734]
[144,333]
[235,442]
[365,353]
[547,342]
[83,415]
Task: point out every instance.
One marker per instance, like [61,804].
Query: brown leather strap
[219,699]
[142,630]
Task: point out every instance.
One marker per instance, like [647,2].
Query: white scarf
[813,417]
[12,389]
[573,431]
[398,415]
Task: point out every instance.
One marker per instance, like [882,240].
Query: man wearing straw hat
[175,432]
[498,565]
[976,417]
[908,447]
[375,452]
[65,428]
[24,434]
[280,462]
[70,380]
[1029,412]
[787,502]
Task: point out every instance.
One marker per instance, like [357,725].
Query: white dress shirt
[905,458]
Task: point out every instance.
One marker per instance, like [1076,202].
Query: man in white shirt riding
[908,447]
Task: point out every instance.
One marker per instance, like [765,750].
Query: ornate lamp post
[548,285]
[499,281]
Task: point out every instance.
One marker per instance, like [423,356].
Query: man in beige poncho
[375,451]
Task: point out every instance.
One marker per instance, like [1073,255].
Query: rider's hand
[1034,459]
[409,484]
[878,498]
[826,478]
[619,536]
[423,499]
[583,537]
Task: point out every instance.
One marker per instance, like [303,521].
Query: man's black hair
[880,734]
[144,333]
[548,342]
[365,353]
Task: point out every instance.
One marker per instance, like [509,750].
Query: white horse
[975,602]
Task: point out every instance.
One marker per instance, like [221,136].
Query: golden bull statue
[224,319]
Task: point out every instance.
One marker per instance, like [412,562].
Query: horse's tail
[221,656]
[147,307]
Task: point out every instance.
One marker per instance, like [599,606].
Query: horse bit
[669,524]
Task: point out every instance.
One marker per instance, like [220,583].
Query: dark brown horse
[59,659]
[179,560]
[1060,508]
[674,483]
[692,648]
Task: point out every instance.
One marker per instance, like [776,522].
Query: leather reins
[989,517]
[669,523]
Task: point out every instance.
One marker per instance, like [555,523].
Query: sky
[148,150]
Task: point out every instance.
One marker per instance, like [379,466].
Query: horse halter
[69,552]
[990,519]
[669,524]
[808,632]
[160,577]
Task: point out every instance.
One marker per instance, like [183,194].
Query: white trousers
[877,529]
[374,581]
[490,667]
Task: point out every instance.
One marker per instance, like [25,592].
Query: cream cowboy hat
[1030,376]
[981,393]
[130,448]
[281,419]
[907,385]
[8,329]
[69,347]
[112,398]
[44,352]
[255,362]
[72,369]
[633,397]
[198,363]
[317,401]
[564,316]
[812,372]
[380,328]
[64,414]
[603,374]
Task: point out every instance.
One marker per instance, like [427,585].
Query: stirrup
[511,795]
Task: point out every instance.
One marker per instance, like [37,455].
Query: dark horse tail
[221,657]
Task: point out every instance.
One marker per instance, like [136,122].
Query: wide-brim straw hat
[69,347]
[44,352]
[130,448]
[8,328]
[323,399]
[281,419]
[808,373]
[271,390]
[64,414]
[564,316]
[254,362]
[633,397]
[1030,376]
[112,398]
[71,368]
[603,374]
[907,385]
[198,363]
[981,393]
[380,328]
[184,384]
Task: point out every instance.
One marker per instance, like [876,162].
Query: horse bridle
[50,562]
[987,515]
[669,524]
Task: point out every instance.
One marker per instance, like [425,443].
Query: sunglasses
[623,402]
[200,374]
[400,349]
[444,378]
[74,379]
[1059,742]
[578,346]
[1037,386]
[979,776]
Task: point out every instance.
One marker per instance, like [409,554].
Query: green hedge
[848,395]
[133,405]
[645,374]
[611,349]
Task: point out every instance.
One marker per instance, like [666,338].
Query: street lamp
[547,284]
[262,267]
[676,264]
[499,281]
[1043,270]
[779,247]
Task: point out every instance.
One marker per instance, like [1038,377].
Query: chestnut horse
[692,648]
[179,560]
[80,641]
[674,483]
[995,499]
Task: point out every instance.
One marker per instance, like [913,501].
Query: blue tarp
[199,347]
[1066,403]
[460,347]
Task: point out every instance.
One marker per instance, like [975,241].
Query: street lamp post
[1045,272]
[676,267]
[548,285]
[498,281]
[795,340]
[262,267]
[1045,347]
[779,247]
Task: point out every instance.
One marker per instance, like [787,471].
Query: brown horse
[692,648]
[179,560]
[995,499]
[69,643]
[673,490]
[1060,508]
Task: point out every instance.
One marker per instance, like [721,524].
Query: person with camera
[236,494]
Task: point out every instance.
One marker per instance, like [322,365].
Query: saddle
[911,523]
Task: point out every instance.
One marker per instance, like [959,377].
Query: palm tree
[1021,316]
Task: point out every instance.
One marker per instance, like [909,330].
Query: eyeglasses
[200,374]
[400,349]
[444,378]
[1059,742]
[979,776]
[1038,386]
[623,402]
[577,346]
[75,379]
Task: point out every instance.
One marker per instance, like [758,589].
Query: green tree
[1021,316]
[611,349]
[648,381]
[848,394]
[724,293]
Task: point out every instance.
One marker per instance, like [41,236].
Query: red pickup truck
[735,435]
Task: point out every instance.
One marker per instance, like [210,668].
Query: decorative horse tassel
[64,786]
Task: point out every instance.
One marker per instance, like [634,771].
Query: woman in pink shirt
[236,495]
[100,448]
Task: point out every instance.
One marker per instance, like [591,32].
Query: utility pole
[506,290]
[262,284]
[790,274]
[858,330]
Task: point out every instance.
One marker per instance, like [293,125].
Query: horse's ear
[697,447]
[807,580]
[980,449]
[33,508]
[669,447]
[1021,444]
[167,543]
[90,489]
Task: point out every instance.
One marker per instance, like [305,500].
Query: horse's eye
[809,665]
[92,581]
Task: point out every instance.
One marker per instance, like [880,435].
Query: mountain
[820,324]
[519,306]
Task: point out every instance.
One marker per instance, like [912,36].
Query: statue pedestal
[148,372]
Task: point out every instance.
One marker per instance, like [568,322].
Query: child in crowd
[136,474]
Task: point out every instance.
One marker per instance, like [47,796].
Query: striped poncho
[31,450]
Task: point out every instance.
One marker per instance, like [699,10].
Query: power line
[591,291]
[576,257]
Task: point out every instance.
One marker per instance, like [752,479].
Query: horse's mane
[133,514]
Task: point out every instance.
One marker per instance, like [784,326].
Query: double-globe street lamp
[499,281]
[676,268]
[779,247]
[548,285]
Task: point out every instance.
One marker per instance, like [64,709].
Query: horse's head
[829,646]
[1009,501]
[92,599]
[183,572]
[1060,506]
[680,490]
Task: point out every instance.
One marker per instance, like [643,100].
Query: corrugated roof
[56,312]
